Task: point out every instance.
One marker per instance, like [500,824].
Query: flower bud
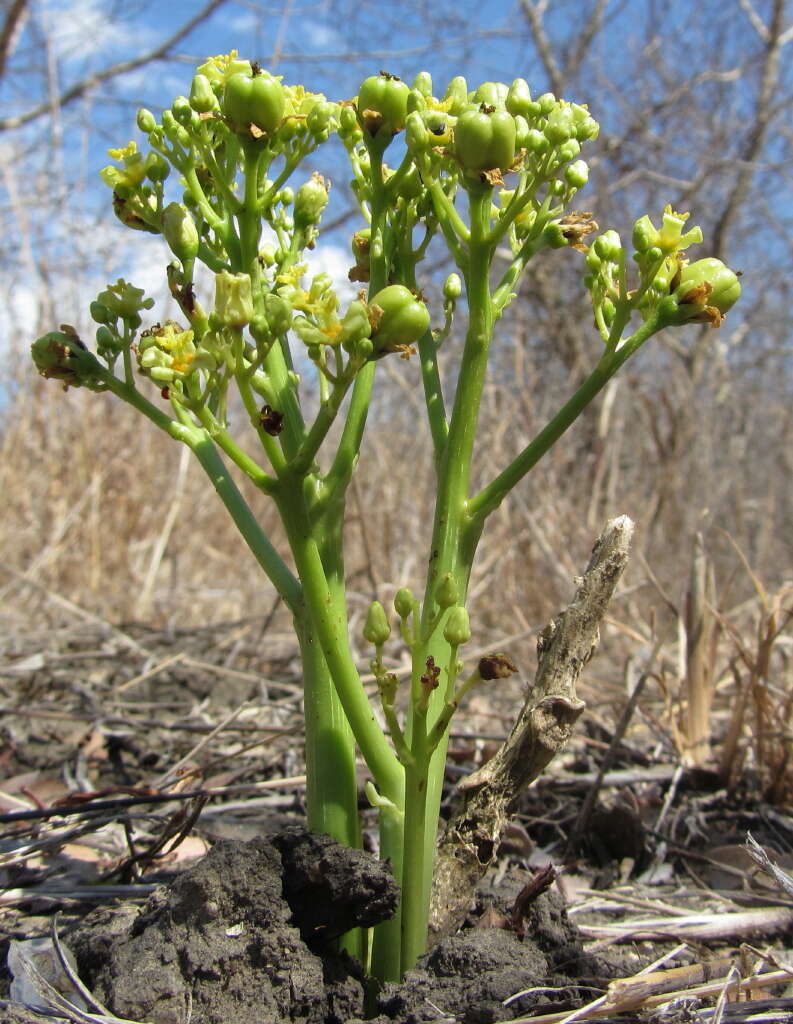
[310,201]
[453,287]
[180,232]
[457,630]
[417,102]
[423,83]
[146,121]
[403,602]
[348,122]
[60,355]
[455,99]
[447,592]
[536,142]
[569,150]
[376,629]
[320,117]
[417,136]
[278,313]
[518,100]
[608,246]
[492,94]
[577,174]
[233,299]
[157,167]
[182,110]
[553,235]
[546,103]
[202,96]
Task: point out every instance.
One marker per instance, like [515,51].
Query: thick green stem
[331,784]
[449,521]
[326,612]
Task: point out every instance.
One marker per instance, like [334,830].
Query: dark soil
[243,938]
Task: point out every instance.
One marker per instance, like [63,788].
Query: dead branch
[541,731]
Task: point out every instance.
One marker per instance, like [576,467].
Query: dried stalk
[700,632]
[541,731]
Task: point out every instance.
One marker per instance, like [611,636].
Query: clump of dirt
[223,946]
[244,937]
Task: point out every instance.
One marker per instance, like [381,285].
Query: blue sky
[331,46]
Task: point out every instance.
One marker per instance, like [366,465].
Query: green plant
[234,145]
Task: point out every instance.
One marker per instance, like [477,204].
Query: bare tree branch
[12,26]
[753,15]
[80,88]
[585,38]
[753,145]
[534,13]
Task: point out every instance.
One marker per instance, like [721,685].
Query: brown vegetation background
[102,516]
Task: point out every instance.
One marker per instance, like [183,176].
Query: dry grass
[104,513]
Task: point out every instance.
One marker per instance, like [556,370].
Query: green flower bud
[457,630]
[423,83]
[376,630]
[157,167]
[233,299]
[518,100]
[182,110]
[553,235]
[146,121]
[608,246]
[569,150]
[278,313]
[360,243]
[577,174]
[310,201]
[592,260]
[60,355]
[453,287]
[348,122]
[320,118]
[355,327]
[536,142]
[202,96]
[108,344]
[455,99]
[522,132]
[492,94]
[447,592]
[417,102]
[546,103]
[180,232]
[417,136]
[403,602]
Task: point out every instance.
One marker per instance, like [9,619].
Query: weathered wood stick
[543,728]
